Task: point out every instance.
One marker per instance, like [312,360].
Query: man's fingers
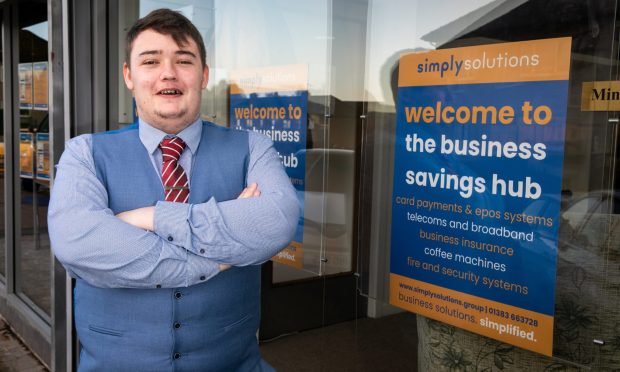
[250,191]
[244,194]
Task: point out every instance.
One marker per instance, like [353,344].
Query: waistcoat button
[177,325]
[176,355]
[178,294]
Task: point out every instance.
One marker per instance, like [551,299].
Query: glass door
[3,246]
[289,56]
[33,255]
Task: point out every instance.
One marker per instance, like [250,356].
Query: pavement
[14,355]
[386,344]
[377,345]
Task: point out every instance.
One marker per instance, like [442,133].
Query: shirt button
[202,251]
[178,294]
[176,355]
[177,325]
[202,277]
[170,238]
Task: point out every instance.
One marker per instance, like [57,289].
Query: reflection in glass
[32,245]
[352,50]
[587,295]
[303,36]
[2,208]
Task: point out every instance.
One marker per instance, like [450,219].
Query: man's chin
[172,115]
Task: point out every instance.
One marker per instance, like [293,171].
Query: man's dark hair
[166,22]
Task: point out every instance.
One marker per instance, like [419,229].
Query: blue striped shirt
[94,245]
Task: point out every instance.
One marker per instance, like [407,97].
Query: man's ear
[127,76]
[205,76]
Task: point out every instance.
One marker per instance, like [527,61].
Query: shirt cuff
[171,223]
[200,269]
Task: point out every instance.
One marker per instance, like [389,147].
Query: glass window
[587,254]
[338,62]
[290,41]
[2,183]
[32,245]
[279,55]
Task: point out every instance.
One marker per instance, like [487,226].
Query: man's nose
[168,71]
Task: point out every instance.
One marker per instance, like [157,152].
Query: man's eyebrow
[157,52]
[149,52]
[185,53]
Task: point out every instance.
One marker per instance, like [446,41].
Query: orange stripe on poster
[293,256]
[288,78]
[537,60]
[526,329]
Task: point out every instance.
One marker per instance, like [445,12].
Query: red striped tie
[173,175]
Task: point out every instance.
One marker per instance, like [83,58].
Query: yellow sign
[600,96]
[536,60]
[293,255]
[40,85]
[26,155]
[517,326]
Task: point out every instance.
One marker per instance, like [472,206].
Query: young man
[162,223]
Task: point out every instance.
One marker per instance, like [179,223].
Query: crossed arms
[144,218]
[134,249]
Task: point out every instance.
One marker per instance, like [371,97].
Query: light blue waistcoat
[207,327]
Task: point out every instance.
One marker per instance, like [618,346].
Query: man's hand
[144,218]
[250,191]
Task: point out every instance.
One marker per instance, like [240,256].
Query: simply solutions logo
[454,65]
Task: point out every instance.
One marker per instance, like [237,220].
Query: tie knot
[171,148]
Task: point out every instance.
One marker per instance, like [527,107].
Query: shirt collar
[151,136]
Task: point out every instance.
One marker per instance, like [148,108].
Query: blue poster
[279,111]
[477,179]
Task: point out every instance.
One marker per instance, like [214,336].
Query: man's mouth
[169,92]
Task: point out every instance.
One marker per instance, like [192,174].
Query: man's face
[166,80]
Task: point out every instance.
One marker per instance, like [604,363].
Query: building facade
[323,79]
